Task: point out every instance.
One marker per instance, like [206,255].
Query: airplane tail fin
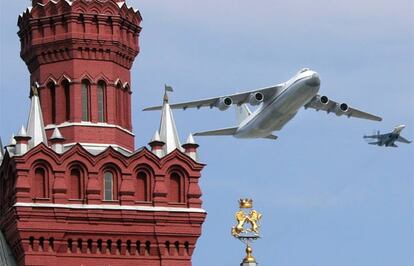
[230,131]
[242,112]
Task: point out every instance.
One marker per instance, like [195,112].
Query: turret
[22,141]
[190,148]
[157,145]
[57,141]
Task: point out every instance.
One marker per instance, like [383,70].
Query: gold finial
[246,203]
[249,255]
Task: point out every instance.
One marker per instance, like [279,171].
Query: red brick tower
[79,54]
[73,190]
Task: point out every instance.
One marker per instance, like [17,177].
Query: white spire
[56,134]
[22,132]
[190,139]
[156,136]
[35,125]
[1,151]
[168,130]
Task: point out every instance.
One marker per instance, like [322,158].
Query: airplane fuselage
[389,139]
[274,113]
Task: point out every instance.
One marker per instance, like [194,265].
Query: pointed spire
[1,151]
[35,125]
[190,148]
[56,134]
[57,141]
[168,130]
[22,132]
[190,139]
[156,145]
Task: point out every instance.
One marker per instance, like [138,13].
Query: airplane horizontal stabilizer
[230,131]
[375,143]
[273,137]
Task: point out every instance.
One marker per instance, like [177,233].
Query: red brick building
[74,191]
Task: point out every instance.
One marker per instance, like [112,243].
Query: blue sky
[327,197]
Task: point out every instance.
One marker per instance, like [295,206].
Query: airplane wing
[403,140]
[223,102]
[330,106]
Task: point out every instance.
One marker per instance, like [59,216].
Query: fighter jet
[388,139]
[277,105]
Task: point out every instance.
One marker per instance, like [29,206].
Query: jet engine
[341,109]
[256,98]
[224,103]
[324,99]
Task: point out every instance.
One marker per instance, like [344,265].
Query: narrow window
[52,88]
[141,189]
[175,188]
[66,99]
[118,108]
[85,100]
[108,186]
[101,101]
[75,184]
[39,185]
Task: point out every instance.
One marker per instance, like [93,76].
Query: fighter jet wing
[403,140]
[227,100]
[330,106]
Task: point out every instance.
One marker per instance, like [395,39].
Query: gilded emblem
[252,218]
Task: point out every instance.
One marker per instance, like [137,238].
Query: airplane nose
[314,80]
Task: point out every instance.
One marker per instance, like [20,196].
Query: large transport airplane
[388,139]
[278,105]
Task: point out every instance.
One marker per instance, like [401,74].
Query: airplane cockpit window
[304,70]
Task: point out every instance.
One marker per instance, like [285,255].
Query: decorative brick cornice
[93,30]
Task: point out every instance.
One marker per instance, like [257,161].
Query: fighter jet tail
[375,143]
[230,131]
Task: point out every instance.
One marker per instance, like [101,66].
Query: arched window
[174,192]
[75,184]
[108,186]
[142,189]
[101,101]
[66,99]
[39,185]
[52,88]
[85,100]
